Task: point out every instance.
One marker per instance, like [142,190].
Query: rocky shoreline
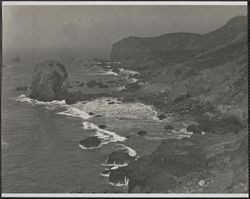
[207,89]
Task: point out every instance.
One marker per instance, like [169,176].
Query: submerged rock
[162,117]
[50,81]
[142,132]
[92,83]
[168,127]
[193,128]
[22,88]
[90,142]
[102,126]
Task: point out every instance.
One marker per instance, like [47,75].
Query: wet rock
[209,161]
[90,142]
[74,97]
[102,126]
[142,132]
[127,136]
[92,83]
[50,81]
[118,177]
[111,103]
[105,172]
[162,117]
[115,70]
[119,158]
[91,113]
[98,115]
[168,127]
[194,129]
[22,88]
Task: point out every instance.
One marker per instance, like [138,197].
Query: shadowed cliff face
[200,164]
[202,78]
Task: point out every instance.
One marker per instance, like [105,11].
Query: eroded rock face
[200,164]
[50,81]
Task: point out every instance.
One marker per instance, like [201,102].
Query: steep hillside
[133,50]
[204,81]
[173,48]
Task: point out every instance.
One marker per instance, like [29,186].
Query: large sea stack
[50,81]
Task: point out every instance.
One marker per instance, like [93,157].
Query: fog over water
[89,31]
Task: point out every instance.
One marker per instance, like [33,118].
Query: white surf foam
[108,72]
[104,135]
[119,184]
[132,80]
[128,72]
[49,105]
[131,110]
[89,148]
[121,88]
[75,112]
[114,165]
[175,134]
[131,152]
[105,174]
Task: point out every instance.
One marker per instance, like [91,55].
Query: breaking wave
[131,152]
[108,72]
[104,135]
[48,105]
[75,112]
[120,184]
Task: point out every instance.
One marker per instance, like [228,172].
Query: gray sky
[89,31]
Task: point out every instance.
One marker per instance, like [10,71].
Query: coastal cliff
[167,50]
[202,78]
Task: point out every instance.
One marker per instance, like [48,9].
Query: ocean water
[40,141]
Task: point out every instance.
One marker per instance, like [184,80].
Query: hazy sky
[86,31]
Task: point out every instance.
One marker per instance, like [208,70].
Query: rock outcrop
[50,81]
[200,164]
